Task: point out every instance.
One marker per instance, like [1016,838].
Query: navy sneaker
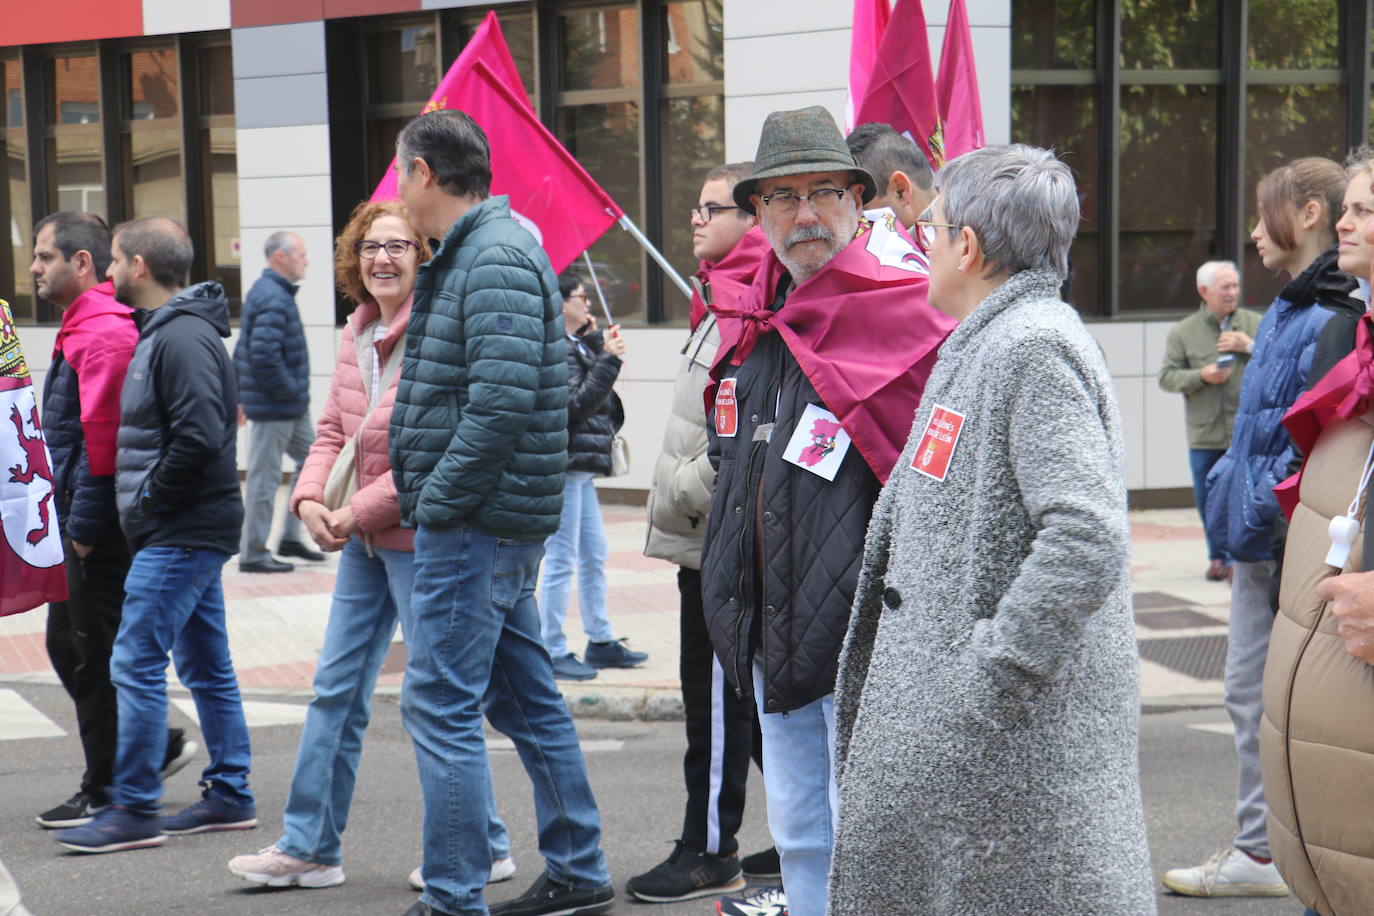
[546,897]
[211,813]
[114,829]
[568,668]
[613,654]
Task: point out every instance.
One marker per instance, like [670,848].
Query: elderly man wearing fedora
[805,426]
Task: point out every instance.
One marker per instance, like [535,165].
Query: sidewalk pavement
[276,625]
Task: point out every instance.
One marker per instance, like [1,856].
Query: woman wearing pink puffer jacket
[375,262]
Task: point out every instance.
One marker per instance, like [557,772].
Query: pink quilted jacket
[374,504]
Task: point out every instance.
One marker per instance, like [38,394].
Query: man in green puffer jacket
[478,451]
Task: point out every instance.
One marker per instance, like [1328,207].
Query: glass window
[605,139]
[598,49]
[403,64]
[75,181]
[216,63]
[693,144]
[1170,36]
[1168,193]
[151,165]
[220,181]
[15,284]
[1065,118]
[1284,123]
[1054,34]
[694,42]
[149,87]
[73,90]
[1289,35]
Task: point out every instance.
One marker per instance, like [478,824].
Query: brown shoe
[1216,572]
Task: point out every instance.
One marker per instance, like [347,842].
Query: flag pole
[597,284]
[628,225]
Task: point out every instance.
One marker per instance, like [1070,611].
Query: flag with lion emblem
[31,570]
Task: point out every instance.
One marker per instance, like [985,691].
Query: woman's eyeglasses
[396,248]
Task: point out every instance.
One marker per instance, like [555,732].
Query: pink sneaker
[273,868]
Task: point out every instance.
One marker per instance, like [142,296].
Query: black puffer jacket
[176,474]
[595,413]
[85,502]
[795,618]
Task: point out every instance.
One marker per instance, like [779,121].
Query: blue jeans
[580,541]
[1200,460]
[799,771]
[370,593]
[174,603]
[475,648]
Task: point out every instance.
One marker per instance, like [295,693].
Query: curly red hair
[348,274]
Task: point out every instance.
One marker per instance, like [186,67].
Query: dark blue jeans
[1200,460]
[475,647]
[174,604]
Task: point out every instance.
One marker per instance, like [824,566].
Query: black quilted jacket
[85,501]
[594,410]
[793,618]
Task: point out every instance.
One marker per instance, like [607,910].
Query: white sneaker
[501,870]
[273,868]
[1229,873]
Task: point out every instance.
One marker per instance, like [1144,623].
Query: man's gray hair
[1020,201]
[1207,273]
[281,240]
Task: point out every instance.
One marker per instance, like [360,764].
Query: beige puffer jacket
[683,477]
[1317,733]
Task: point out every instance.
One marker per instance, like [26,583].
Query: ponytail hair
[1287,189]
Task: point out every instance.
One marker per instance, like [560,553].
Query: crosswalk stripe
[1216,728]
[590,745]
[19,719]
[256,713]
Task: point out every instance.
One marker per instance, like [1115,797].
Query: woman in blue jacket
[1299,204]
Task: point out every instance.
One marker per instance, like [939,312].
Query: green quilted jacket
[479,432]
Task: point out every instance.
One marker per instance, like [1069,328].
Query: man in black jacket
[71,252]
[176,486]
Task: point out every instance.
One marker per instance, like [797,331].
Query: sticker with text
[819,443]
[936,450]
[727,409]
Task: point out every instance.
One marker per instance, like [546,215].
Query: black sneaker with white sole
[546,897]
[762,864]
[77,811]
[686,875]
[180,750]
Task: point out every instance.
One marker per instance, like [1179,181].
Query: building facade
[241,117]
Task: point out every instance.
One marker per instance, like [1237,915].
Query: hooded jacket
[1241,506]
[595,413]
[176,472]
[81,409]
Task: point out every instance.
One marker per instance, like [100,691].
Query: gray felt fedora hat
[796,142]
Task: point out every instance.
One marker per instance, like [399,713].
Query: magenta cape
[860,329]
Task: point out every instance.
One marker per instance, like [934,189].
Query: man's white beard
[802,266]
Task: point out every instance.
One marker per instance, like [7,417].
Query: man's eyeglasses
[396,248]
[822,200]
[706,212]
[925,233]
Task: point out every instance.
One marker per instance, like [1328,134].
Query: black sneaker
[179,753]
[77,811]
[685,875]
[300,551]
[613,654]
[762,864]
[546,897]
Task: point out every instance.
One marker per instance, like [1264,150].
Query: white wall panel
[164,17]
[278,152]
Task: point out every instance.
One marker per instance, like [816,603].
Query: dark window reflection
[1065,118]
[220,179]
[1295,35]
[693,144]
[149,85]
[1168,189]
[599,49]
[694,41]
[1170,36]
[151,162]
[403,64]
[73,90]
[1053,34]
[216,80]
[74,173]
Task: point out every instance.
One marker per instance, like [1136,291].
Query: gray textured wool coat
[988,703]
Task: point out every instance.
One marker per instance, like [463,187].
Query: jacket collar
[1323,283]
[1025,286]
[368,311]
[493,208]
[270,274]
[203,300]
[95,302]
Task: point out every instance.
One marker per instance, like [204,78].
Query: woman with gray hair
[987,709]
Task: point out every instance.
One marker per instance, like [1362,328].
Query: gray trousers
[1252,617]
[268,440]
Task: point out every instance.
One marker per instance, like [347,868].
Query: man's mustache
[808,234]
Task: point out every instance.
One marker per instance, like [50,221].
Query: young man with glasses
[829,348]
[721,725]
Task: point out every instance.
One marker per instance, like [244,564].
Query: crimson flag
[956,87]
[31,570]
[550,193]
[865,37]
[901,91]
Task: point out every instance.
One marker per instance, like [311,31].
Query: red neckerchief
[731,275]
[1344,392]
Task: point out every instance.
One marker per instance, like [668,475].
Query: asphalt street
[1187,761]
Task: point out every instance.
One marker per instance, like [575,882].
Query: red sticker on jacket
[727,410]
[936,450]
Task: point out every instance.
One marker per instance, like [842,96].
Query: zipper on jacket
[771,396]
